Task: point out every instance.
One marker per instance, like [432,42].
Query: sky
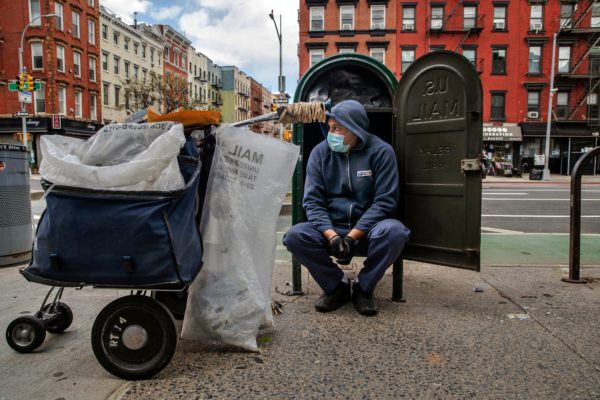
[229,32]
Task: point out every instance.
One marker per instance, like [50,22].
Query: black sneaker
[363,302]
[335,299]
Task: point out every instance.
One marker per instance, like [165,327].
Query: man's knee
[301,235]
[390,229]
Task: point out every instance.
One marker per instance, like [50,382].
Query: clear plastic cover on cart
[230,299]
[118,157]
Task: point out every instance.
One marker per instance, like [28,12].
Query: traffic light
[29,82]
[274,107]
[21,79]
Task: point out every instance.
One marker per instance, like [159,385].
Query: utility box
[16,236]
[432,118]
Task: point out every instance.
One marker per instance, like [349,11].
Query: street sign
[25,97]
[37,85]
[56,121]
[21,114]
[282,101]
[13,86]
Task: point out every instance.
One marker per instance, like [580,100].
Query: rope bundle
[303,112]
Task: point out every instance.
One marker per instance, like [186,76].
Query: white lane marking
[542,234]
[508,193]
[542,190]
[534,216]
[502,199]
[498,230]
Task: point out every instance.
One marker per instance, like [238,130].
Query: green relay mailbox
[432,118]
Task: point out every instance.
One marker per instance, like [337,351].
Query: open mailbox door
[438,144]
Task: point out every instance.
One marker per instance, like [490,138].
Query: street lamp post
[280,83]
[546,172]
[22,70]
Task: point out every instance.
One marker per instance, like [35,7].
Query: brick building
[510,45]
[61,52]
[329,27]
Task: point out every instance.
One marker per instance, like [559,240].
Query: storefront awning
[537,129]
[13,125]
[510,133]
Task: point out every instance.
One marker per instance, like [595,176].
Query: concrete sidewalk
[505,333]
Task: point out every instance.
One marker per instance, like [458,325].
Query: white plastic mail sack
[230,297]
[117,157]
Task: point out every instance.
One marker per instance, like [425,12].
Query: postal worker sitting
[350,194]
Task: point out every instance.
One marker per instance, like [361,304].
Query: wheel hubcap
[23,334]
[134,337]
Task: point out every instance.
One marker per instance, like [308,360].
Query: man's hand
[348,244]
[338,247]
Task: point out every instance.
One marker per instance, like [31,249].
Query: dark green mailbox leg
[398,281]
[296,278]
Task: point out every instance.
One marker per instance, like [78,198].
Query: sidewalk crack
[540,323]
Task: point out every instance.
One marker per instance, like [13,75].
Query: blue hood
[353,116]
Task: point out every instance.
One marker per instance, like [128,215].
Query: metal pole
[546,173]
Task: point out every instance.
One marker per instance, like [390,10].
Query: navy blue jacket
[355,189]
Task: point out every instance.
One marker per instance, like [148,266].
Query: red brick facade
[13,19]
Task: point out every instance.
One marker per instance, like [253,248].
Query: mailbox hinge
[470,165]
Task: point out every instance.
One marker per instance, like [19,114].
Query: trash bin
[16,235]
[535,174]
[437,136]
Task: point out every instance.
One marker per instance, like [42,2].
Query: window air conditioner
[499,25]
[533,114]
[347,27]
[537,26]
[408,27]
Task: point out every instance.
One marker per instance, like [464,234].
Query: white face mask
[336,143]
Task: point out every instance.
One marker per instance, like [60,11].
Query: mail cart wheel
[57,317]
[25,334]
[134,337]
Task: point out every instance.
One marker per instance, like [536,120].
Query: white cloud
[236,32]
[125,9]
[166,12]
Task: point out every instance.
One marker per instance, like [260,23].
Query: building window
[535,59]
[436,47]
[105,88]
[144,74]
[562,105]
[34,12]
[75,16]
[378,54]
[93,113]
[58,10]
[37,55]
[78,109]
[408,19]
[91,32]
[498,60]
[595,22]
[497,111]
[77,64]
[469,17]
[566,12]
[536,21]
[117,96]
[470,54]
[127,69]
[40,100]
[378,17]
[564,59]
[92,65]
[159,57]
[437,17]
[116,38]
[104,32]
[499,18]
[116,62]
[592,102]
[533,103]
[346,50]
[316,55]
[135,48]
[152,54]
[60,58]
[91,3]
[105,61]
[143,51]
[347,18]
[408,57]
[136,71]
[62,100]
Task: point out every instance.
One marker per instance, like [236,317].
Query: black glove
[337,246]
[348,244]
